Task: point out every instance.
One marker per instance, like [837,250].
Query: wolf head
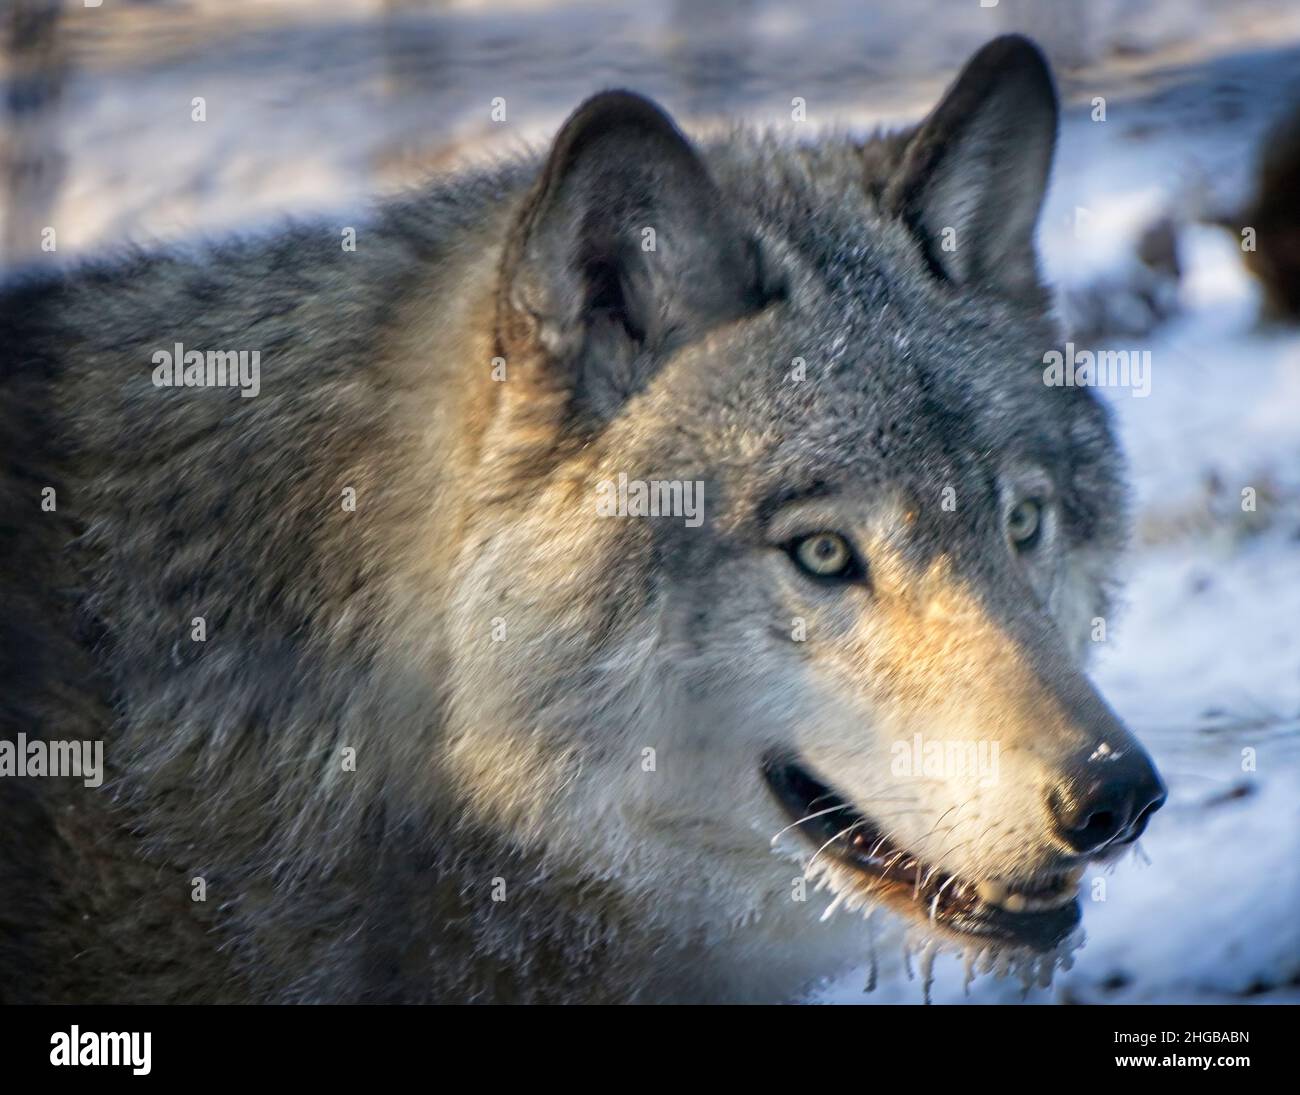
[781,531]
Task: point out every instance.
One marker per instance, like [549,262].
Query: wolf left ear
[624,247]
[973,174]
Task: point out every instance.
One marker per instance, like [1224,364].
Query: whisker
[843,832]
[809,817]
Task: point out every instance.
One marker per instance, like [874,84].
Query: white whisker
[843,832]
[809,817]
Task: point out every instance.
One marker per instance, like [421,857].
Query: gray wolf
[392,713]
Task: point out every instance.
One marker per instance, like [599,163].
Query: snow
[312,106]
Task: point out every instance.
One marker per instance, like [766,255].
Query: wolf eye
[1025,523]
[825,555]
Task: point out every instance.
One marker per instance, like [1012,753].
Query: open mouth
[1040,915]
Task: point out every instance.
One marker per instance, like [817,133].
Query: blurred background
[1179,151]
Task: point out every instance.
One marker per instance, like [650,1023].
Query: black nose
[1111,804]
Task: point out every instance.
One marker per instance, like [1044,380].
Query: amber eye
[825,555]
[1025,523]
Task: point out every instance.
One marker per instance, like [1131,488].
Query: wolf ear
[624,248]
[973,174]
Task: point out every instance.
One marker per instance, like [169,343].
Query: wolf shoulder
[319,293]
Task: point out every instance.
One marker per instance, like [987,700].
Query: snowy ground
[312,106]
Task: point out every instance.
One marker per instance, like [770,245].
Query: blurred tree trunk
[31,160]
[709,55]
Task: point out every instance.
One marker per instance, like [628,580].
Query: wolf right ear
[624,248]
[973,174]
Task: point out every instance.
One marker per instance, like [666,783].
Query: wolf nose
[1110,809]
